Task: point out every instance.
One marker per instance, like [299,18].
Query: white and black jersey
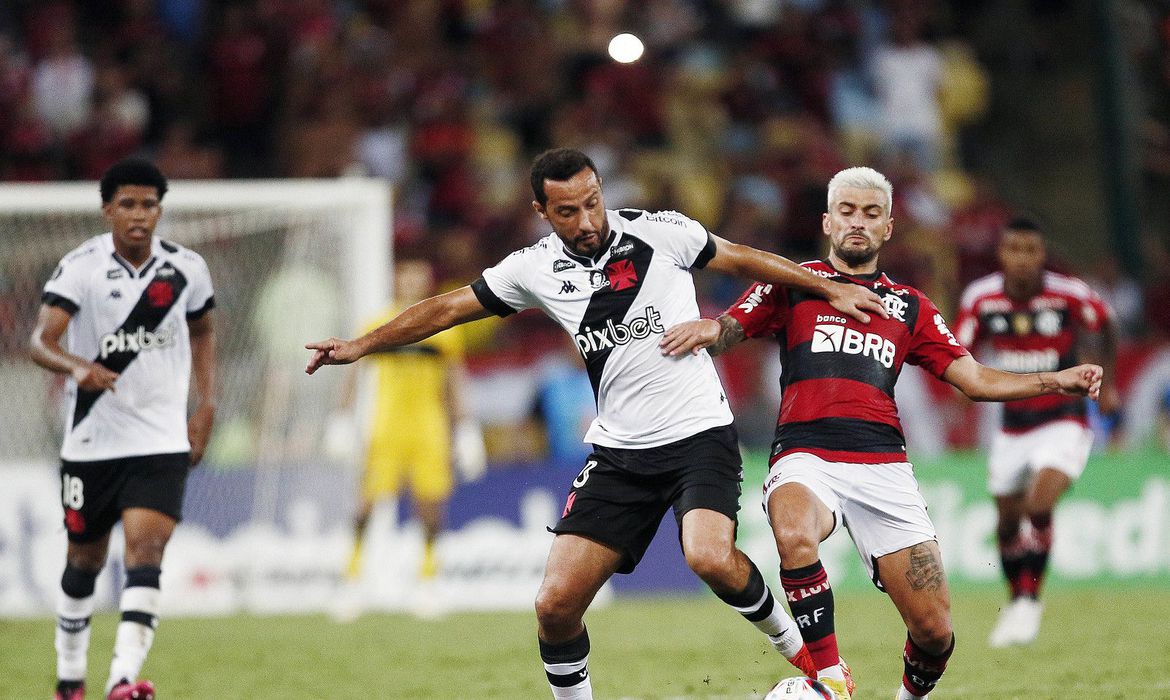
[135,323]
[616,307]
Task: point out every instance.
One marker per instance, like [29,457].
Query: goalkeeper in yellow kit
[416,406]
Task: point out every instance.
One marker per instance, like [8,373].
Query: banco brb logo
[833,338]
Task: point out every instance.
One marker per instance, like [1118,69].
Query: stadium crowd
[738,114]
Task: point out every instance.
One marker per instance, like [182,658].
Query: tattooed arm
[716,335]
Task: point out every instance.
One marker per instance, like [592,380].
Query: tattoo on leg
[925,572]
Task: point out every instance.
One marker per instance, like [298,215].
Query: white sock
[582,690]
[787,642]
[904,694]
[140,606]
[780,628]
[72,636]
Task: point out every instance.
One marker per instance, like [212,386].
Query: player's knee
[1039,513]
[145,550]
[558,610]
[710,563]
[932,633]
[1006,530]
[88,562]
[796,543]
[78,583]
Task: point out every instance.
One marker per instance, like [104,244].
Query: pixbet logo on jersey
[613,334]
[829,337]
[136,341]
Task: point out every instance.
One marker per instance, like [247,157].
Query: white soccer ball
[799,688]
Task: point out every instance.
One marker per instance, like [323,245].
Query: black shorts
[620,496]
[94,494]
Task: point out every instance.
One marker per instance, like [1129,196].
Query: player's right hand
[855,300]
[94,377]
[689,336]
[334,351]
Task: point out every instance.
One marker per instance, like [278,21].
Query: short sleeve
[504,288]
[685,241]
[762,310]
[1093,312]
[66,286]
[932,345]
[202,296]
[967,327]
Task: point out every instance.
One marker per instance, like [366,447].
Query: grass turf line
[1093,644]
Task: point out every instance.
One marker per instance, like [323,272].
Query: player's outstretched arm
[760,266]
[982,383]
[420,321]
[44,346]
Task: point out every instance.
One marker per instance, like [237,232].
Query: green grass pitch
[1094,646]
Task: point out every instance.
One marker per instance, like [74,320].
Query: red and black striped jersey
[838,374]
[1040,334]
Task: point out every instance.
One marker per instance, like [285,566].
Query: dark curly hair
[132,171]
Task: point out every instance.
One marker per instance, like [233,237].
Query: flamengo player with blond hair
[839,457]
[1030,320]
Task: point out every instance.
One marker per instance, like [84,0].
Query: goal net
[292,261]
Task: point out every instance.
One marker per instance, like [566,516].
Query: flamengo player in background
[1034,320]
[614,280]
[839,457]
[137,310]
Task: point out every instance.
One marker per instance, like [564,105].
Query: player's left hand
[855,300]
[1082,380]
[689,336]
[334,351]
[199,431]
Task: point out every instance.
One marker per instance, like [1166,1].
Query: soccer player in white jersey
[138,314]
[614,280]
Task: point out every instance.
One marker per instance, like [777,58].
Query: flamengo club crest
[895,307]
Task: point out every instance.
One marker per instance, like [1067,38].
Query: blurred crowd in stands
[737,115]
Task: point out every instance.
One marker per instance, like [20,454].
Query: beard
[855,256]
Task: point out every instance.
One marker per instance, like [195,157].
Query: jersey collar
[875,276]
[138,273]
[602,251]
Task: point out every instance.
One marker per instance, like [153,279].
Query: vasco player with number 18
[137,310]
[839,457]
[614,280]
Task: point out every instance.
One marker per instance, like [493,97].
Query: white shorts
[1063,445]
[879,504]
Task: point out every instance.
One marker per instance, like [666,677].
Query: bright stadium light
[625,48]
